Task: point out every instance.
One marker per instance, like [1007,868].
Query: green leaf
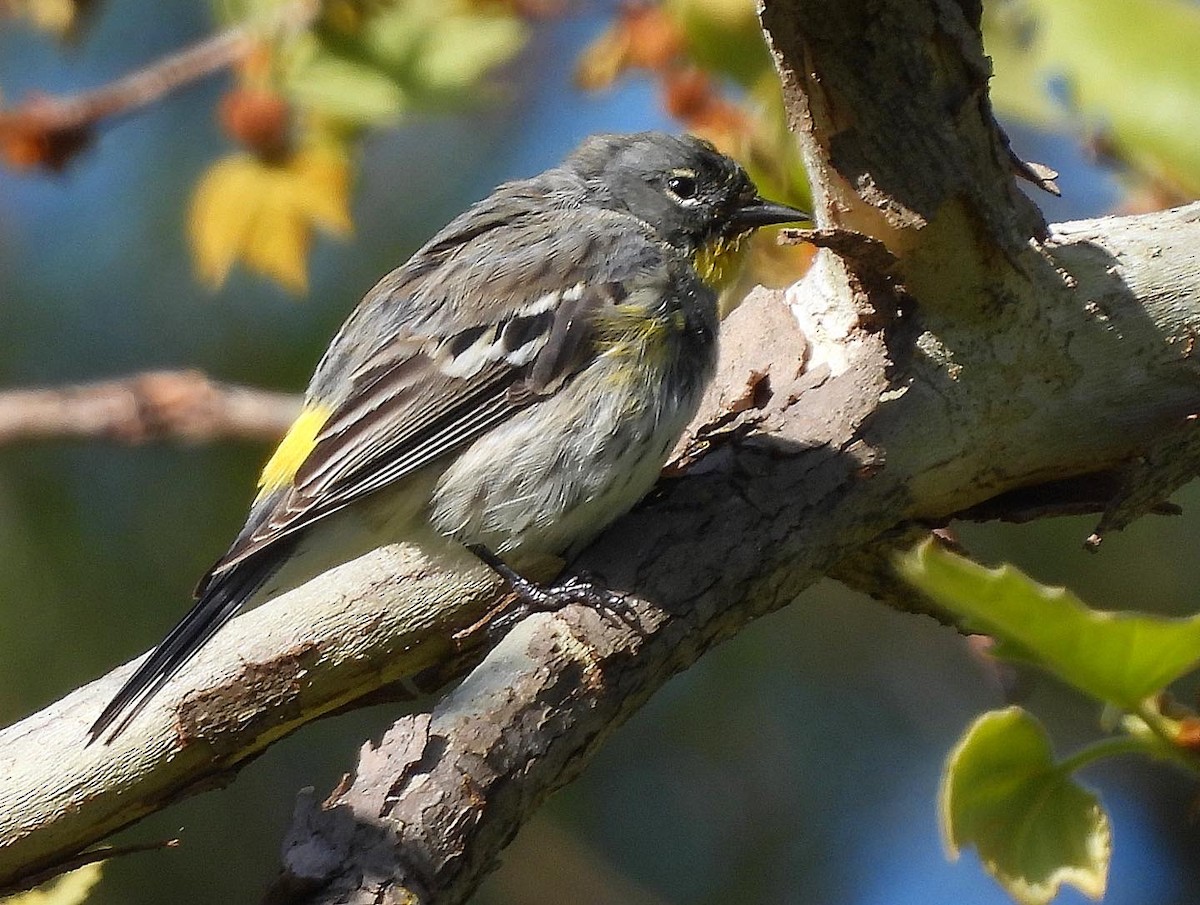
[350,90]
[420,55]
[1035,828]
[724,36]
[1127,68]
[1122,658]
[460,50]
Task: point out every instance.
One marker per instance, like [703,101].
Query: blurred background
[796,764]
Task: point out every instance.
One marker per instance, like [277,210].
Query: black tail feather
[220,602]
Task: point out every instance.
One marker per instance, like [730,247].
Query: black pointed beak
[760,212]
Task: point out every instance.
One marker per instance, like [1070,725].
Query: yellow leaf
[67,889]
[222,215]
[55,16]
[263,213]
[278,246]
[323,188]
[602,61]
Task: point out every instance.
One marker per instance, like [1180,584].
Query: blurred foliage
[302,100]
[365,63]
[315,74]
[62,18]
[1122,74]
[68,889]
[1002,790]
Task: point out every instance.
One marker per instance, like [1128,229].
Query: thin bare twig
[155,405]
[49,130]
[135,90]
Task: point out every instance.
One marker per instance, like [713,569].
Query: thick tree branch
[430,808]
[306,654]
[956,358]
[155,405]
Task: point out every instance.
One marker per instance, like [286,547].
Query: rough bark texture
[962,357]
[760,517]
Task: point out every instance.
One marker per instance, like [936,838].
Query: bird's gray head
[687,190]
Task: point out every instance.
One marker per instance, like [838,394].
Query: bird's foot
[532,597]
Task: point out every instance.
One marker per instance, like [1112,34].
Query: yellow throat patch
[718,261]
[293,449]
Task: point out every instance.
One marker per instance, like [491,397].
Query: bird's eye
[682,186]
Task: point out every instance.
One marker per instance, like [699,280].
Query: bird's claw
[535,598]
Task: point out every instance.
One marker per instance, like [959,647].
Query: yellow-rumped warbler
[516,385]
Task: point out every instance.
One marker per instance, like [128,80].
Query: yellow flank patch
[719,260]
[293,449]
[629,330]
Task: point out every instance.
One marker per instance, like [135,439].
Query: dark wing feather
[220,602]
[382,445]
[405,414]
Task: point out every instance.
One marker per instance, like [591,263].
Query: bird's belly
[388,516]
[531,489]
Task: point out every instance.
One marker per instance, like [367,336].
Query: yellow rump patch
[719,260]
[293,449]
